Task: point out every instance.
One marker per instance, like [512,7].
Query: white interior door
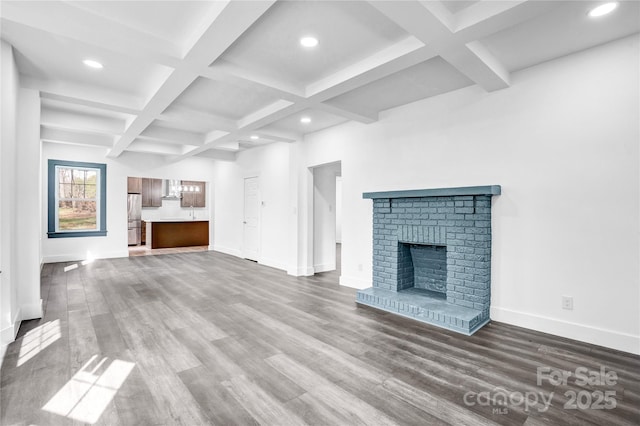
[251,221]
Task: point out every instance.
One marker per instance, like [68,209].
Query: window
[77,199]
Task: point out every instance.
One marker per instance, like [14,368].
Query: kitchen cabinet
[151,192]
[164,234]
[134,185]
[143,238]
[193,199]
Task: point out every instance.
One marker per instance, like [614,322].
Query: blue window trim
[51,199]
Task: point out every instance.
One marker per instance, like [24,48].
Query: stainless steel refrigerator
[134,213]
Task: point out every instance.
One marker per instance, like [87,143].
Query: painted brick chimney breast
[432,255]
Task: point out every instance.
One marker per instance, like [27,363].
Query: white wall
[563,143]
[324,217]
[171,209]
[338,209]
[129,164]
[271,165]
[9,308]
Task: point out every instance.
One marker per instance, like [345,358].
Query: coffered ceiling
[211,78]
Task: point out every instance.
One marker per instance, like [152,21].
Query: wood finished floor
[144,250]
[207,338]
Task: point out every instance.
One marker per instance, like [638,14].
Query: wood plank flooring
[205,338]
[145,250]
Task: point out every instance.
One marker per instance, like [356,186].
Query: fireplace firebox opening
[424,268]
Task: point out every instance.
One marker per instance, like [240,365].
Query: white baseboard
[272,263]
[227,250]
[31,311]
[3,350]
[300,272]
[78,257]
[324,267]
[8,334]
[354,282]
[585,333]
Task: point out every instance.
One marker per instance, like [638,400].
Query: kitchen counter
[177,220]
[164,233]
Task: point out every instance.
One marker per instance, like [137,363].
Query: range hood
[171,189]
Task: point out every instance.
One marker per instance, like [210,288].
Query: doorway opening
[327,217]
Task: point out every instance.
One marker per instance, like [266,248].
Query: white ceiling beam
[479,65]
[214,140]
[230,146]
[217,154]
[231,74]
[244,78]
[277,135]
[82,95]
[401,55]
[433,33]
[216,135]
[77,24]
[268,114]
[227,25]
[407,53]
[362,116]
[62,119]
[178,114]
[217,139]
[172,135]
[445,21]
[168,92]
[428,22]
[157,148]
[352,79]
[489,17]
[49,134]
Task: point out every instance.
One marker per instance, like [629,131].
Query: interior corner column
[29,203]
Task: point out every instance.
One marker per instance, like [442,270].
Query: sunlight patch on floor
[71,267]
[36,340]
[90,390]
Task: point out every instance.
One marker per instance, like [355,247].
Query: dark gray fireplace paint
[429,266]
[432,255]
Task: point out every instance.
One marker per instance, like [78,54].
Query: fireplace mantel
[436,192]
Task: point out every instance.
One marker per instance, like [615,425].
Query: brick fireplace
[432,255]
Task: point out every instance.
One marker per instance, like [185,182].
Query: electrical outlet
[567,303]
[360,267]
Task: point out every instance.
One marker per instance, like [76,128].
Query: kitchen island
[165,233]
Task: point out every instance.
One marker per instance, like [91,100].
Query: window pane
[77,215]
[91,177]
[65,190]
[90,191]
[78,191]
[78,176]
[64,175]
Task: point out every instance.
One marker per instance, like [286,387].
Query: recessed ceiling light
[309,41]
[92,64]
[305,120]
[255,137]
[603,9]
